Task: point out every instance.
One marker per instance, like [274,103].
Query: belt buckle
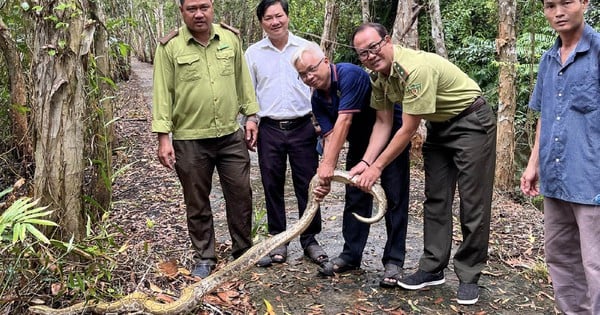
[284,124]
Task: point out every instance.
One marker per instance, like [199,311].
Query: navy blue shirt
[568,97]
[350,92]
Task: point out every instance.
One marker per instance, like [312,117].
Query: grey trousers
[572,248]
[461,152]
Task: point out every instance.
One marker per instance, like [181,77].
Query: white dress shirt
[281,94]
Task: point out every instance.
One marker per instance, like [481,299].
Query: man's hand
[529,182]
[325,172]
[166,154]
[251,134]
[321,191]
[364,177]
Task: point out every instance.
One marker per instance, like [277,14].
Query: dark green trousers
[195,164]
[461,152]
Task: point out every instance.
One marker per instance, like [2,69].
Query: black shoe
[421,279]
[202,270]
[468,293]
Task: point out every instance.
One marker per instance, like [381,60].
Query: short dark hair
[381,30]
[265,4]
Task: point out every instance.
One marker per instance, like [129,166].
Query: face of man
[565,16]
[198,16]
[275,22]
[374,52]
[314,71]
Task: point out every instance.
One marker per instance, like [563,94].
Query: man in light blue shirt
[565,157]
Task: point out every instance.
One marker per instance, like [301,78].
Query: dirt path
[149,208]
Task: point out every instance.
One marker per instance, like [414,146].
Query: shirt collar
[214,34]
[293,40]
[583,44]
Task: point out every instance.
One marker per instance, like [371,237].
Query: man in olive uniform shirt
[460,149]
[201,84]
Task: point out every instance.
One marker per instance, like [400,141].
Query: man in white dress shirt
[286,130]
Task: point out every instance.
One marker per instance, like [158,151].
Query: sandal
[316,254]
[336,265]
[390,276]
[278,256]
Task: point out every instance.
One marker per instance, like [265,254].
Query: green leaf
[37,234]
[42,222]
[16,232]
[6,192]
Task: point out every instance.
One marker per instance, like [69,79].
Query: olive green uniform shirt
[199,91]
[426,84]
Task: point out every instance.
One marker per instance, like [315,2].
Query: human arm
[399,142]
[530,177]
[246,94]
[332,145]
[382,129]
[162,107]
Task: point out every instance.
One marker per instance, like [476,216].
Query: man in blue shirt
[341,104]
[565,155]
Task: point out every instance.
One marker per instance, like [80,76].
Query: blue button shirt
[568,97]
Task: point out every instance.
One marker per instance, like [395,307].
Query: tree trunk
[366,11]
[332,16]
[437,28]
[406,33]
[18,98]
[102,112]
[59,72]
[507,53]
[151,40]
[405,30]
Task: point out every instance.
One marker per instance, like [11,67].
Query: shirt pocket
[225,59]
[586,94]
[585,106]
[189,68]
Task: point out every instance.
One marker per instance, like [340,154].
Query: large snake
[192,295]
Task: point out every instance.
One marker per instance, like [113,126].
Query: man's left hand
[251,135]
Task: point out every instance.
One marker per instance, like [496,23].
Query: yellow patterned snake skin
[192,295]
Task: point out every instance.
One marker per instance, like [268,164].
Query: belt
[286,124]
[477,104]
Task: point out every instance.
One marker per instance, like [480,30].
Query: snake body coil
[192,295]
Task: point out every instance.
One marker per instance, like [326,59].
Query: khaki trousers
[572,248]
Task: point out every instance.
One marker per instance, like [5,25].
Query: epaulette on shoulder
[164,40]
[231,28]
[374,75]
[402,73]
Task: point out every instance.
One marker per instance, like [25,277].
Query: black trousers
[195,164]
[275,145]
[395,181]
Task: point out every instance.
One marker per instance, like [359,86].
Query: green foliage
[259,222]
[20,218]
[34,264]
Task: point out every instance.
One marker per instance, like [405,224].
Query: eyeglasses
[311,69]
[373,49]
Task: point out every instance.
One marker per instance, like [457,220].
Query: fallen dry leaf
[55,288]
[168,268]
